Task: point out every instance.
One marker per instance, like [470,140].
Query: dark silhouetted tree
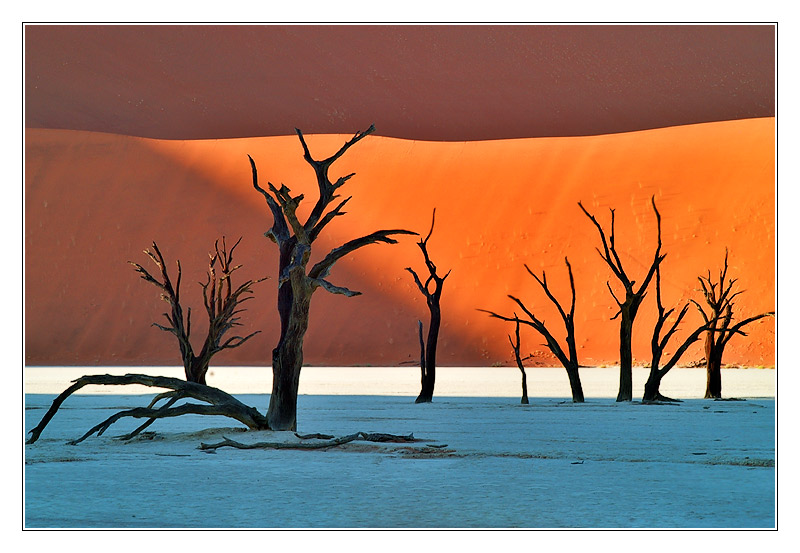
[659,343]
[568,359]
[515,346]
[221,301]
[719,297]
[432,298]
[297,282]
[629,305]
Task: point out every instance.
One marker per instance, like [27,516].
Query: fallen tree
[328,441]
[216,402]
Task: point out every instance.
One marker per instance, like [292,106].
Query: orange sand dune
[94,201]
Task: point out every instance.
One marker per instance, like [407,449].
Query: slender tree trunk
[429,372]
[575,384]
[625,358]
[713,369]
[524,399]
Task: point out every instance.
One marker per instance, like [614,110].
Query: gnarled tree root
[659,400]
[362,436]
[219,403]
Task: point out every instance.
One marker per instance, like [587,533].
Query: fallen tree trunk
[361,436]
[219,403]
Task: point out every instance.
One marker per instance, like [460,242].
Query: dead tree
[659,343]
[296,282]
[221,301]
[215,402]
[629,306]
[515,345]
[719,297]
[569,360]
[432,297]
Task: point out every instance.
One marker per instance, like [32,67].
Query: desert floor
[550,464]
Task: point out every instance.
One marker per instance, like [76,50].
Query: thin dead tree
[659,343]
[432,298]
[568,359]
[719,297]
[515,345]
[629,306]
[221,301]
[297,282]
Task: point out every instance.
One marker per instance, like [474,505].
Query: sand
[94,201]
[549,464]
[441,82]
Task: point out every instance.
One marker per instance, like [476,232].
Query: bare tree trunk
[524,399]
[713,369]
[429,371]
[294,303]
[652,386]
[515,345]
[575,383]
[625,358]
[197,370]
[286,365]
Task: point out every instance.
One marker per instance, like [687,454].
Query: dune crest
[94,201]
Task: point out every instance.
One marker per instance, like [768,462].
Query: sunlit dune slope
[94,201]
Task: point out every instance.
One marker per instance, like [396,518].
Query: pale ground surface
[551,464]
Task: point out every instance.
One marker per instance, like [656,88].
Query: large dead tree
[719,297]
[221,301]
[659,343]
[297,282]
[568,359]
[432,298]
[629,305]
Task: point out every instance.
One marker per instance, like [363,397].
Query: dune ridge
[94,201]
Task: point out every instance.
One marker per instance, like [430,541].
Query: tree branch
[322,269]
